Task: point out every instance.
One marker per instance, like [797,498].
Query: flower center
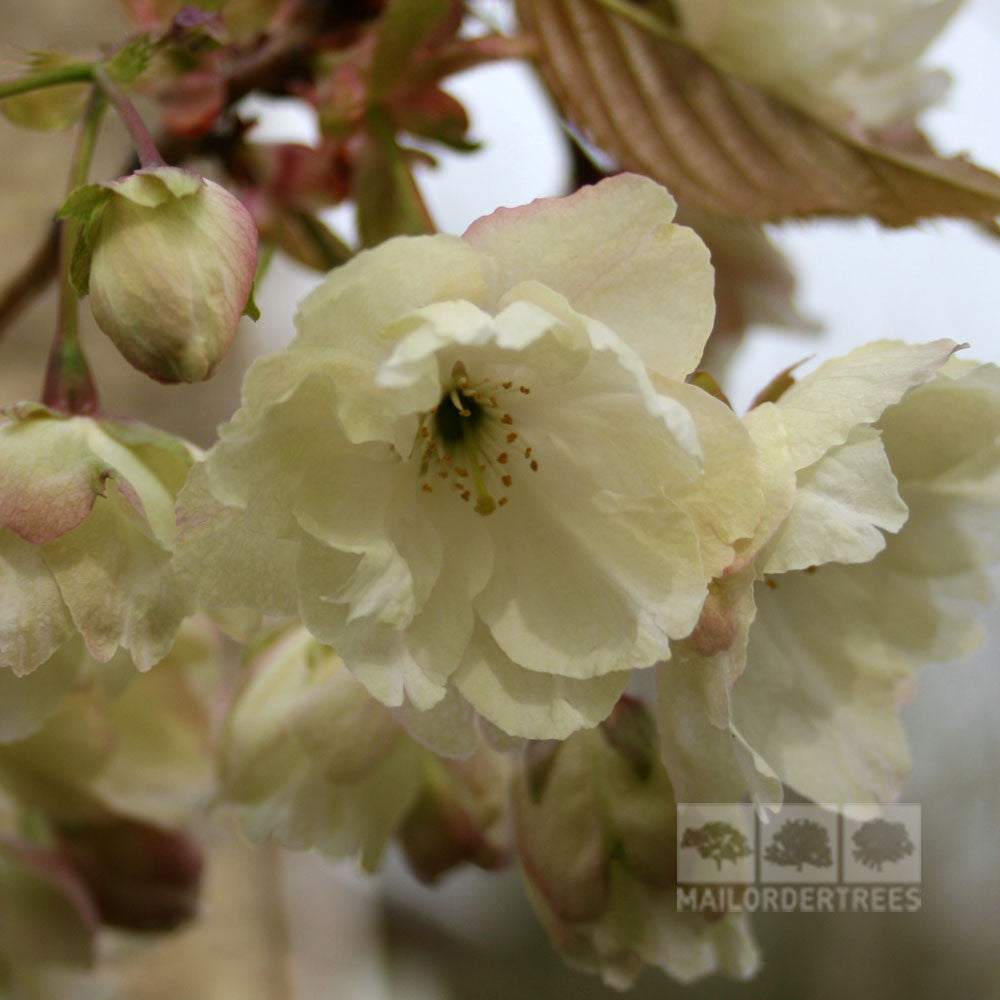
[468,439]
[454,418]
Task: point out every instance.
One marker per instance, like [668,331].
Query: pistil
[485,504]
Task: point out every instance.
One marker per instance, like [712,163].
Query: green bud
[172,268]
[596,830]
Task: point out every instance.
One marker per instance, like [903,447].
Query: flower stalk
[73,73]
[68,384]
[145,147]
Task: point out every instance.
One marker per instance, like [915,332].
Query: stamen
[456,423]
[458,404]
[485,504]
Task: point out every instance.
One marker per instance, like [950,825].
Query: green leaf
[777,387]
[82,202]
[131,61]
[403,27]
[49,96]
[251,309]
[386,194]
[79,267]
[308,239]
[706,381]
[84,206]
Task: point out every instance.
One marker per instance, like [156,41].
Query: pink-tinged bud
[141,877]
[174,257]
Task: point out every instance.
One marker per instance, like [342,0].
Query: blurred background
[279,925]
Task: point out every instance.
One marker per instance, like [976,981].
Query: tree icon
[717,841]
[879,841]
[800,842]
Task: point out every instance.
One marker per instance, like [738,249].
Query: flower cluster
[511,577]
[478,473]
[487,496]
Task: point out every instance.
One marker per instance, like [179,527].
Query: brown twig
[33,279]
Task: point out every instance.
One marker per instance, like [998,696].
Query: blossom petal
[777,477]
[34,621]
[707,758]
[531,704]
[821,410]
[377,656]
[448,729]
[613,251]
[361,298]
[550,605]
[944,444]
[27,702]
[706,762]
[50,477]
[726,501]
[114,579]
[221,558]
[840,504]
[825,676]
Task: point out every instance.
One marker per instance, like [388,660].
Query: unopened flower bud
[310,758]
[174,257]
[459,815]
[596,835]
